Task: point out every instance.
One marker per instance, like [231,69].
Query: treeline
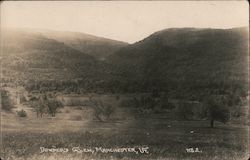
[181,90]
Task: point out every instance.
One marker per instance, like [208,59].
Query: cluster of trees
[46,104]
[69,86]
[189,89]
[212,107]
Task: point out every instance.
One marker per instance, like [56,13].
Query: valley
[177,89]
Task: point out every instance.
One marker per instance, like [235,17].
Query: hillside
[186,60]
[97,47]
[29,58]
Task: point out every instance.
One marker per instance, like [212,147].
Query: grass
[165,139]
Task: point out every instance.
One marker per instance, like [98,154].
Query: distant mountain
[31,55]
[97,47]
[186,58]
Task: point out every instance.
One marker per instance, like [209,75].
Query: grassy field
[166,139]
[76,127]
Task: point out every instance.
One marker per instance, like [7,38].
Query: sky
[128,21]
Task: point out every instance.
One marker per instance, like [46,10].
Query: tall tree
[217,109]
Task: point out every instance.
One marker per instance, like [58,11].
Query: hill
[31,59]
[186,60]
[182,62]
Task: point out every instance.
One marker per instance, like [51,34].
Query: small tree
[217,109]
[40,108]
[6,102]
[101,111]
[40,105]
[53,106]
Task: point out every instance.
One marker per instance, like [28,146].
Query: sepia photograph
[124,80]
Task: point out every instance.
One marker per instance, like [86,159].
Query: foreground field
[165,139]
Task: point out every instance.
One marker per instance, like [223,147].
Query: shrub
[22,113]
[76,118]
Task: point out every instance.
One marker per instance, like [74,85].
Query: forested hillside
[186,61]
[35,61]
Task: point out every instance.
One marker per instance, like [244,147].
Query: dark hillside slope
[186,59]
[29,58]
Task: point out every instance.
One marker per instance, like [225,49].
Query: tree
[217,109]
[53,106]
[102,111]
[40,107]
[6,102]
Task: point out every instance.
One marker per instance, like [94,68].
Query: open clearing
[166,139]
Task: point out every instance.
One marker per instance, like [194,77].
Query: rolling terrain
[186,64]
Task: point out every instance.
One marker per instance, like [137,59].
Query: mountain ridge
[96,46]
[186,57]
[205,59]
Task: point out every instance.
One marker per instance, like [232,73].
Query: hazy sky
[128,21]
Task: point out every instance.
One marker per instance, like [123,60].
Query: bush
[22,113]
[76,118]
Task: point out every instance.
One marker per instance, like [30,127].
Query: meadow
[165,138]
